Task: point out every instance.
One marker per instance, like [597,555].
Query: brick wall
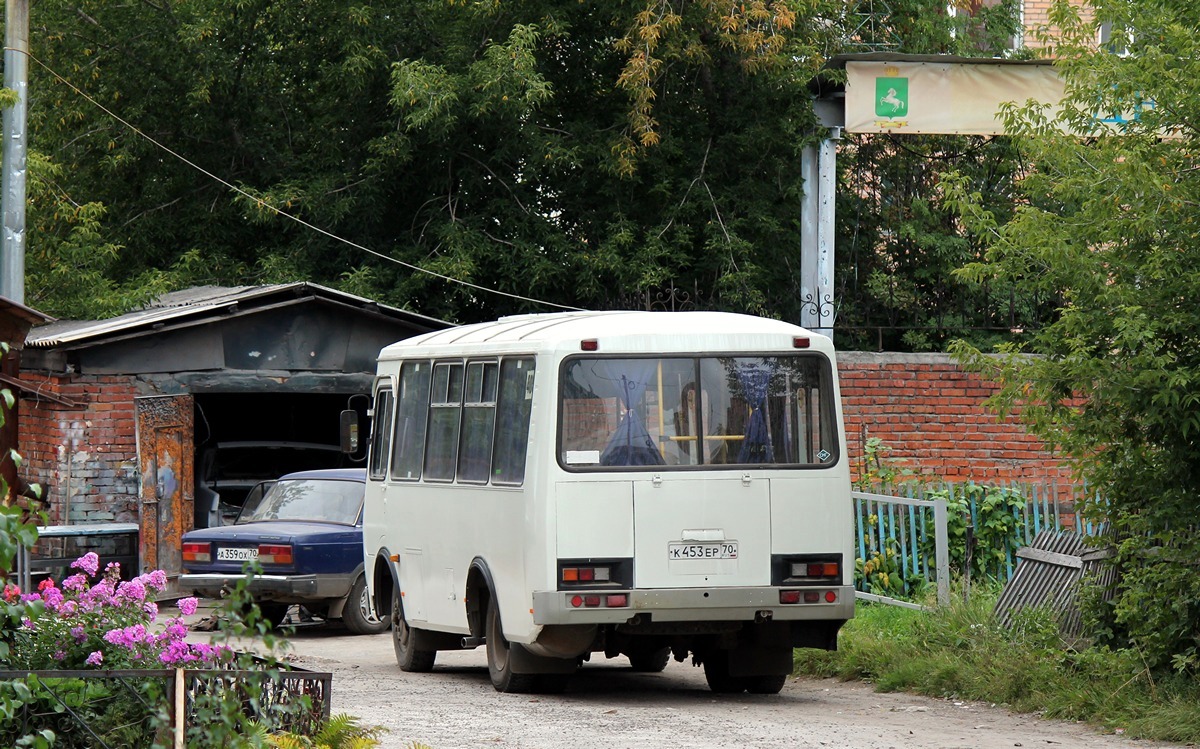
[1036,15]
[931,414]
[84,456]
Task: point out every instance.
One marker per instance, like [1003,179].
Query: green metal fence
[985,525]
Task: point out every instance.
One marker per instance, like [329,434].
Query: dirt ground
[610,706]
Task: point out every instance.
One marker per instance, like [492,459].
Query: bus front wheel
[499,651]
[404,641]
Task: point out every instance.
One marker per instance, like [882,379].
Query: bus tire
[358,615]
[498,652]
[650,661]
[404,640]
[716,673]
[765,683]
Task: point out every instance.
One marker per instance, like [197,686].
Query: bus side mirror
[349,431]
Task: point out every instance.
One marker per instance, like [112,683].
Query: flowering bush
[99,620]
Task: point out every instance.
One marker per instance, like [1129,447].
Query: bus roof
[615,332]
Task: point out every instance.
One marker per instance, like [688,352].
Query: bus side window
[441,447]
[412,414]
[479,421]
[513,407]
[381,427]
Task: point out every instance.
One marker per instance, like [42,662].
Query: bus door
[702,532]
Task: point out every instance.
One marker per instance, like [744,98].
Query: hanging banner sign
[942,98]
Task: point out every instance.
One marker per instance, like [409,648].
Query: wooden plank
[1050,557]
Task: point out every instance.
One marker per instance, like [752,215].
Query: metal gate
[167,494]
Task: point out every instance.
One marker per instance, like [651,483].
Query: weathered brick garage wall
[930,413]
[85,456]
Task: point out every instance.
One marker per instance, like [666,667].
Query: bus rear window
[697,411]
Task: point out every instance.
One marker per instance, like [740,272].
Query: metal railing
[901,524]
[70,702]
[909,535]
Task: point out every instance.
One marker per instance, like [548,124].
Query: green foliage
[960,652]
[1107,225]
[341,731]
[996,518]
[883,571]
[877,471]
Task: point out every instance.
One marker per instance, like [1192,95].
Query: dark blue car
[305,530]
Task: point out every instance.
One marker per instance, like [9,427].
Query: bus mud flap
[521,661]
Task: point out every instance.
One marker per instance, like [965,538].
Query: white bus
[628,483]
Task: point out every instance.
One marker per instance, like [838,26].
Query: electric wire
[263,204]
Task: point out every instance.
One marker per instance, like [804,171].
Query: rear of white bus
[702,510]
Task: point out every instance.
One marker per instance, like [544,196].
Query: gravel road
[609,706]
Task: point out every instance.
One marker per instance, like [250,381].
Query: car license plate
[236,554]
[707,550]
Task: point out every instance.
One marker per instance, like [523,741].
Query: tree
[1109,220]
[583,154]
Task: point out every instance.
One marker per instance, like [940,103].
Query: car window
[322,500]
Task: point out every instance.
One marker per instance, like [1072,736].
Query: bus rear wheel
[649,661]
[498,652]
[716,673]
[408,657]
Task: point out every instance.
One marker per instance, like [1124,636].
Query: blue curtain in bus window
[631,444]
[754,378]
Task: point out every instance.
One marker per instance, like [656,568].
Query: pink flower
[156,580]
[53,598]
[95,659]
[11,592]
[78,634]
[187,606]
[151,609]
[76,582]
[89,563]
[133,590]
[45,584]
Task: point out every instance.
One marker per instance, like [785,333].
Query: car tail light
[197,552]
[586,574]
[274,554]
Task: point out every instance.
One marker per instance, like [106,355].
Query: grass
[960,651]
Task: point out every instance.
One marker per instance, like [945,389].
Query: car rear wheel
[358,615]
[408,657]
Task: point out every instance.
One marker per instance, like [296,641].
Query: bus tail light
[274,554]
[197,552]
[586,574]
[593,600]
[816,569]
[807,596]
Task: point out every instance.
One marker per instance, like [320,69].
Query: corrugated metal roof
[199,302]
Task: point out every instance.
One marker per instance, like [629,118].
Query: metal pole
[810,310]
[12,188]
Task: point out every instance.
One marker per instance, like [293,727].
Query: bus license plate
[708,550]
[235,554]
